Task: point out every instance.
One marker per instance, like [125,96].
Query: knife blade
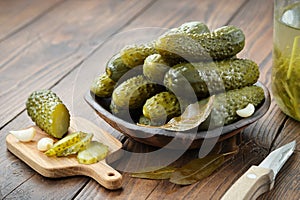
[260,179]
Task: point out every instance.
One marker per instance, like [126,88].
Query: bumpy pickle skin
[161,108]
[76,147]
[220,44]
[226,104]
[65,143]
[208,78]
[134,55]
[155,68]
[193,27]
[102,86]
[48,112]
[133,93]
[116,68]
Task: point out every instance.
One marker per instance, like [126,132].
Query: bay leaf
[191,118]
[160,174]
[197,169]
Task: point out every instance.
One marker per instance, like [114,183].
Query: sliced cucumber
[75,148]
[65,143]
[94,152]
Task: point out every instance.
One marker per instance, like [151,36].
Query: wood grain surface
[62,45]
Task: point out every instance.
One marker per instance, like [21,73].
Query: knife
[260,179]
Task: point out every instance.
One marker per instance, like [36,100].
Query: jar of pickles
[286,57]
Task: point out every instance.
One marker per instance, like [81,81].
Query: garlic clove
[25,135]
[45,144]
[247,111]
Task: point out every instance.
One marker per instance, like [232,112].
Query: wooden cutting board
[56,167]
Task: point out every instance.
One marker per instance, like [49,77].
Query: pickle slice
[94,152]
[65,143]
[75,148]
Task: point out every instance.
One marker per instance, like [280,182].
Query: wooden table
[48,44]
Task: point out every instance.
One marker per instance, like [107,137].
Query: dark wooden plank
[153,189]
[290,131]
[14,170]
[45,61]
[170,14]
[78,82]
[42,53]
[68,188]
[16,14]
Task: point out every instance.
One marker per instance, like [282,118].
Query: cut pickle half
[48,112]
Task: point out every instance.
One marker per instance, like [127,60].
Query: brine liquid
[286,60]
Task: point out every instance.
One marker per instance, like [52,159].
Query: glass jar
[286,57]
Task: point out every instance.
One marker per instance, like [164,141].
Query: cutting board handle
[104,175]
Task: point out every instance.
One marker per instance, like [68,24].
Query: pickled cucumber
[207,78]
[115,68]
[103,86]
[94,152]
[48,112]
[65,143]
[134,55]
[78,146]
[223,43]
[133,93]
[226,105]
[161,108]
[193,27]
[155,68]
[144,120]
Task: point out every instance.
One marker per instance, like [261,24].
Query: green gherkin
[155,68]
[103,86]
[161,108]
[115,68]
[207,78]
[133,93]
[48,112]
[145,121]
[193,27]
[226,104]
[134,55]
[223,43]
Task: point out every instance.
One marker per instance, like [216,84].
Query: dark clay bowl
[170,139]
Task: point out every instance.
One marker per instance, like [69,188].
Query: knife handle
[252,184]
